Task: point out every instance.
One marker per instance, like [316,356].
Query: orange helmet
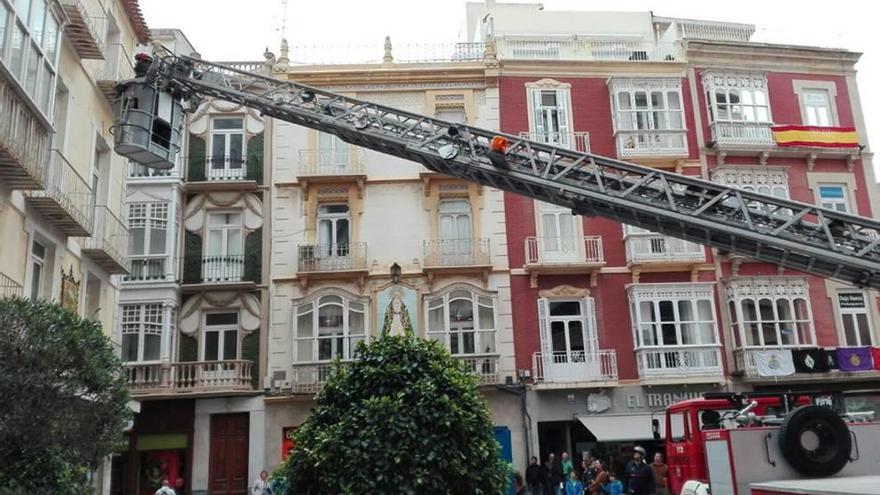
[499,144]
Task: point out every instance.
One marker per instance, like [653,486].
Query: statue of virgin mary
[397,320]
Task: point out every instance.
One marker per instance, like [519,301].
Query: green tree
[404,417]
[63,399]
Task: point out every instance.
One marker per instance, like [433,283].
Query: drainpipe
[520,390]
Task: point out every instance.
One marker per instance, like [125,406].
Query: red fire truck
[771,444]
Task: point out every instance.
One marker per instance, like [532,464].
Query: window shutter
[196,167]
[537,113]
[254,159]
[591,343]
[564,116]
[543,325]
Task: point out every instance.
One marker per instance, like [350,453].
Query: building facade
[615,322]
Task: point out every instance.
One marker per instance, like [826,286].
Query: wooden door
[228,457]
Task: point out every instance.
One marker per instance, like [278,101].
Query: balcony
[108,245]
[217,272]
[742,135]
[484,366]
[118,66]
[9,287]
[576,141]
[24,141]
[651,144]
[662,252]
[563,255]
[376,53]
[150,268]
[224,173]
[332,261]
[576,368]
[685,363]
[709,30]
[86,27]
[66,200]
[187,379]
[314,164]
[456,256]
[746,366]
[575,48]
[141,172]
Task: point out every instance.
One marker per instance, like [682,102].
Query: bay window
[770,312]
[463,320]
[329,326]
[148,228]
[33,48]
[648,116]
[141,332]
[739,108]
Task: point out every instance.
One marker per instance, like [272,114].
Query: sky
[242,30]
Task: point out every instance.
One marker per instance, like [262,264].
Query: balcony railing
[376,53]
[656,248]
[108,244]
[564,250]
[86,28]
[577,141]
[308,378]
[332,257]
[24,142]
[709,30]
[189,378]
[651,143]
[223,268]
[317,163]
[456,252]
[574,48]
[749,134]
[680,362]
[575,366]
[138,171]
[66,200]
[118,66]
[225,168]
[484,366]
[145,268]
[9,287]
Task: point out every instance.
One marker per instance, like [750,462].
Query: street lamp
[395,273]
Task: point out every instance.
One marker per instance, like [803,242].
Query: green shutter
[255,158]
[192,258]
[189,349]
[195,171]
[253,257]
[250,351]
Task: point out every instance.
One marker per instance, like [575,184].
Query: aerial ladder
[786,233]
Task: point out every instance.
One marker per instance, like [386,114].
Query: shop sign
[287,441]
[659,400]
[851,300]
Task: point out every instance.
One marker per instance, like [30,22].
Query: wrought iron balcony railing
[456,252]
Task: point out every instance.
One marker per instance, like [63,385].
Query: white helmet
[640,450]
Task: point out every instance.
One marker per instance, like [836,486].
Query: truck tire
[815,441]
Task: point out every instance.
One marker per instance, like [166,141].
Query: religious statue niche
[394,304]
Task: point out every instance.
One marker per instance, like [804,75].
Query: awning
[622,427]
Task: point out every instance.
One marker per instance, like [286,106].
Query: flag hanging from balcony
[854,358]
[820,137]
[831,358]
[810,361]
[776,362]
[875,356]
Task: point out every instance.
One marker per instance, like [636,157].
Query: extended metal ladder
[783,232]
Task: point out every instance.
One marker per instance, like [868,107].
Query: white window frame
[647,129]
[222,330]
[310,308]
[852,313]
[834,203]
[228,266]
[141,321]
[739,84]
[39,291]
[587,319]
[149,216]
[479,332]
[229,169]
[675,295]
[802,87]
[790,290]
[333,153]
[564,135]
[560,247]
[40,90]
[772,181]
[334,248]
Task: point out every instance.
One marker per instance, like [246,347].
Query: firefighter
[639,475]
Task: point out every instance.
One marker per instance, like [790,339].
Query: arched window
[329,326]
[463,320]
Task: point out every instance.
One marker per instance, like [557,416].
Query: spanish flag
[821,137]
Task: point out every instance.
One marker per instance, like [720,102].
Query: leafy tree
[63,398]
[404,417]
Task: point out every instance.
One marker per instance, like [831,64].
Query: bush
[63,398]
[404,417]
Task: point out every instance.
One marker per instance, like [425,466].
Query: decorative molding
[740,176]
[643,84]
[672,291]
[192,310]
[564,292]
[756,287]
[548,84]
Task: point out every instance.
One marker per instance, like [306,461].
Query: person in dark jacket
[534,477]
[554,475]
[518,485]
[639,475]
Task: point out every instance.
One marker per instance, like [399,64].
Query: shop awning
[622,427]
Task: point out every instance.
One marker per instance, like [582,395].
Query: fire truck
[769,443]
[735,442]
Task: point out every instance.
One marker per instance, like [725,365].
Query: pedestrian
[573,485]
[518,485]
[554,470]
[533,477]
[567,465]
[661,475]
[600,479]
[261,484]
[639,475]
[614,486]
[165,489]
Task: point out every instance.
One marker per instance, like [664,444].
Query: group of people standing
[593,477]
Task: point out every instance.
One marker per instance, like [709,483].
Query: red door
[228,458]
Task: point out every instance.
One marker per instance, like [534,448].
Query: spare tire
[815,441]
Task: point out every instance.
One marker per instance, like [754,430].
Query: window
[674,322]
[328,327]
[772,181]
[772,312]
[223,256]
[571,328]
[558,232]
[333,229]
[32,51]
[221,337]
[456,245]
[332,152]
[737,97]
[817,107]
[833,197]
[648,105]
[148,228]
[4,15]
[38,269]
[452,114]
[141,332]
[855,317]
[550,116]
[227,148]
[463,321]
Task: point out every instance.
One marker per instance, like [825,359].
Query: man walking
[533,477]
[661,474]
[639,475]
[554,475]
